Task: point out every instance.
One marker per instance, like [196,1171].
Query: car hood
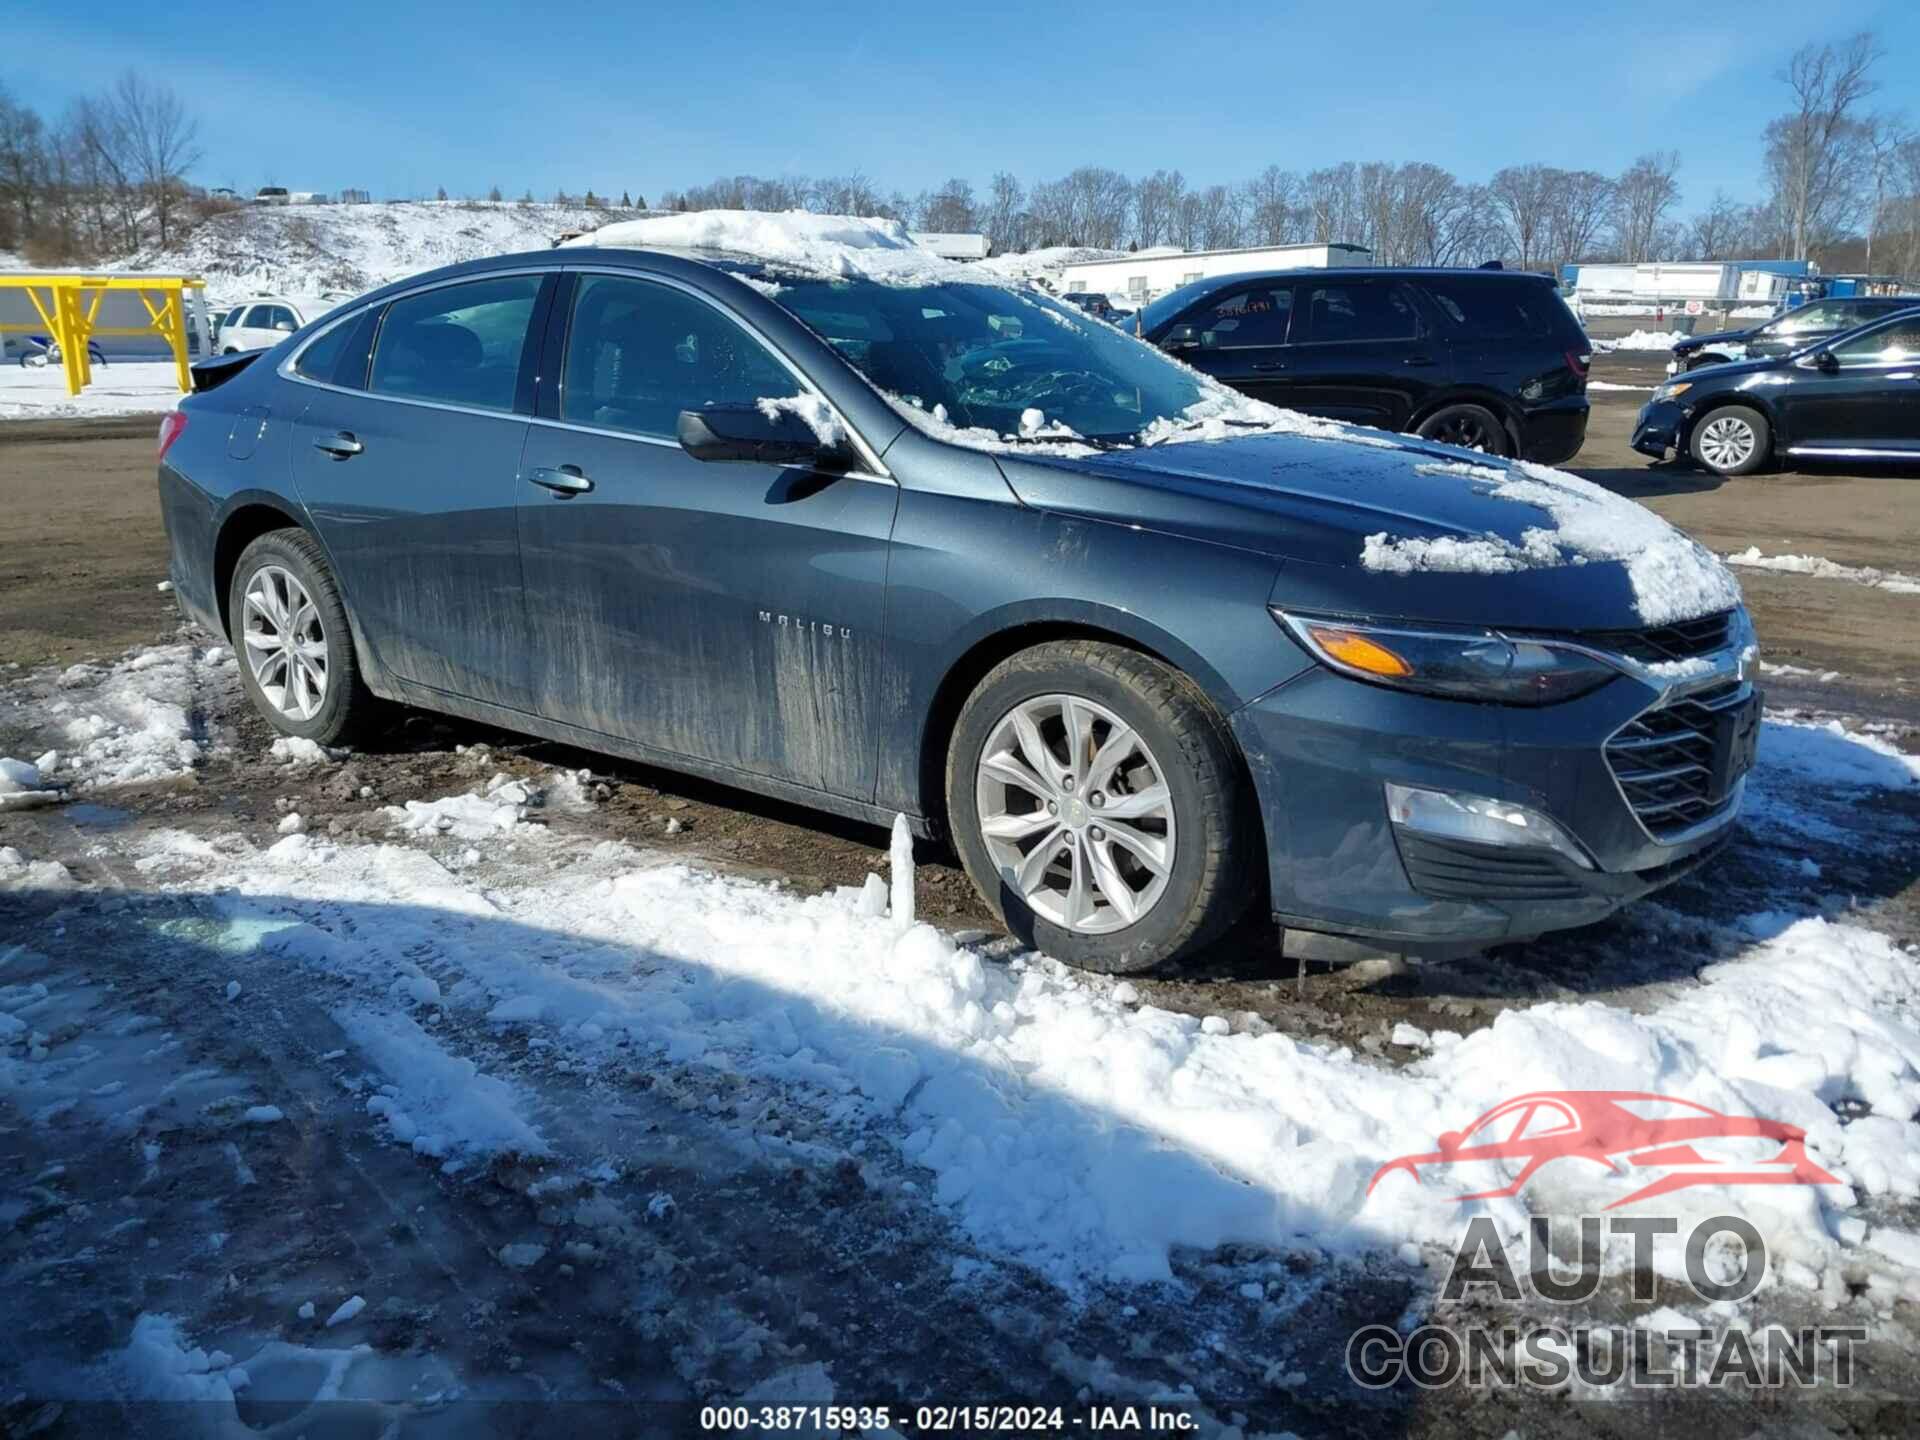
[1734,370]
[1718,337]
[1372,524]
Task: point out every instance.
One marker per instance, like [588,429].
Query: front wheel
[1470,427]
[289,630]
[1732,440]
[1096,802]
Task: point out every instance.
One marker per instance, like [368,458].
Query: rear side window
[1493,309]
[1244,319]
[1358,311]
[321,359]
[639,353]
[459,344]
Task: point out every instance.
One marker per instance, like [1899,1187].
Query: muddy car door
[409,467]
[729,614]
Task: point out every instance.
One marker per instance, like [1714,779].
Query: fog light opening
[1480,820]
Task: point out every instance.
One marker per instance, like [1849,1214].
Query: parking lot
[629,1249]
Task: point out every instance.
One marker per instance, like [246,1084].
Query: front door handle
[1418,360]
[561,479]
[1267,367]
[340,445]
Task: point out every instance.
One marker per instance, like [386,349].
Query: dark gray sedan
[1150,653]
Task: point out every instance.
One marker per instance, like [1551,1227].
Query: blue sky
[398,97]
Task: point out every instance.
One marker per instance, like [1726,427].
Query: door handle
[1417,360]
[340,445]
[561,479]
[1267,367]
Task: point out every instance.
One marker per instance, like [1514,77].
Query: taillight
[1580,362]
[173,425]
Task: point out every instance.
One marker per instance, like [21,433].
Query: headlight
[1672,390]
[1459,665]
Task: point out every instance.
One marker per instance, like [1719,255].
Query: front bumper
[1660,427]
[1322,748]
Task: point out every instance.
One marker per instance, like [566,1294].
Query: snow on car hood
[1465,533]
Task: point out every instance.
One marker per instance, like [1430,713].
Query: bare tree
[158,143]
[1643,195]
[1882,136]
[1005,216]
[23,172]
[1521,196]
[1814,151]
[1270,204]
[850,194]
[1578,203]
[1330,199]
[1156,201]
[951,209]
[1720,231]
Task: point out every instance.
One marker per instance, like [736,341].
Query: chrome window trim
[875,471]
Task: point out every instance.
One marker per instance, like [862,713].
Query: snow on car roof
[849,246]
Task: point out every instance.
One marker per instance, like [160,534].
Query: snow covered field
[571,1060]
[124,387]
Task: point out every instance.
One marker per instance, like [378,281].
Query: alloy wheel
[1726,442]
[286,644]
[1076,814]
[1465,432]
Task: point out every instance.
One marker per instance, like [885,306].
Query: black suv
[1489,360]
[1786,332]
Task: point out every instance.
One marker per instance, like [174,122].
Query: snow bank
[1057,1119]
[1643,340]
[123,387]
[1895,582]
[1673,576]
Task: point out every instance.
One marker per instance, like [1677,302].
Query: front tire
[1469,427]
[289,630]
[1732,440]
[1096,801]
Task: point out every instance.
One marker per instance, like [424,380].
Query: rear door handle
[1418,360]
[1266,367]
[341,445]
[561,479]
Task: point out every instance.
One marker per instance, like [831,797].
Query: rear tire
[1470,427]
[1101,731]
[290,635]
[1731,440]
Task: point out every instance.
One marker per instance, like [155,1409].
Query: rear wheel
[1095,800]
[1471,427]
[1732,440]
[289,630]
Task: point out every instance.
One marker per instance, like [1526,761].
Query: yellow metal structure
[69,307]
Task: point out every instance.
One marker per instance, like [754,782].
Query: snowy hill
[316,249]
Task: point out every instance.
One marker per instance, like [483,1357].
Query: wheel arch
[245,522]
[1000,642]
[1489,400]
[1740,399]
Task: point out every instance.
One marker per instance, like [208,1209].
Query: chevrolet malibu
[801,509]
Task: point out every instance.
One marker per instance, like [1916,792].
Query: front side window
[256,317]
[985,355]
[1246,319]
[459,344]
[1895,344]
[279,317]
[638,353]
[1358,311]
[1809,318]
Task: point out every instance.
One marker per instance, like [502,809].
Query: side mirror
[748,434]
[1825,361]
[285,327]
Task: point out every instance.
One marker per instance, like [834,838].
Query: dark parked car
[1787,332]
[1854,396]
[1487,360]
[835,540]
[1095,304]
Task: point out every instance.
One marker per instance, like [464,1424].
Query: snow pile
[1046,263]
[124,387]
[22,786]
[818,415]
[340,250]
[298,750]
[1893,581]
[1057,1118]
[306,1388]
[19,873]
[136,720]
[1643,340]
[1673,576]
[477,815]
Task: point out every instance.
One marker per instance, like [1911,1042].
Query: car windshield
[988,356]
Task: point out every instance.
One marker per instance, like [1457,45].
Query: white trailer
[1148,274]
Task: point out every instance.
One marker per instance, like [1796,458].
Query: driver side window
[638,353]
[1246,319]
[1895,344]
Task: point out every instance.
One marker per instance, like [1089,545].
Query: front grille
[1682,641]
[1462,870]
[1667,759]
